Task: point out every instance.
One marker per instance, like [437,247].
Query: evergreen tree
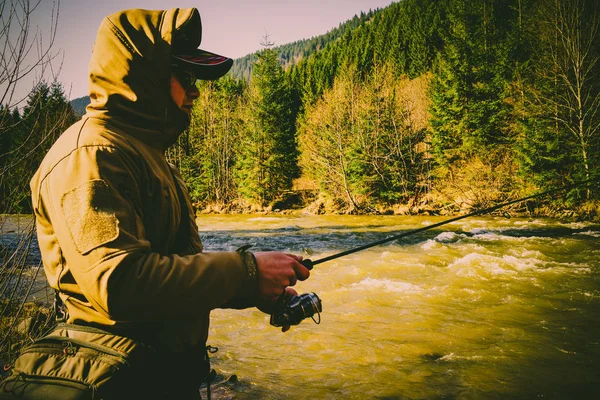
[9,121]
[448,105]
[268,160]
[9,127]
[469,92]
[421,25]
[46,115]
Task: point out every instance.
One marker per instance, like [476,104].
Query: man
[115,223]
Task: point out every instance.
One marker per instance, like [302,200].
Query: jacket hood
[129,72]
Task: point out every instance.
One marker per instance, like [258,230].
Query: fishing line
[310,264]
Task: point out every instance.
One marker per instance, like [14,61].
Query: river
[481,308]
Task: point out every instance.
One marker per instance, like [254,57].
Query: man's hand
[277,271]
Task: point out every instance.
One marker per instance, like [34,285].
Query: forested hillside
[291,53]
[422,106]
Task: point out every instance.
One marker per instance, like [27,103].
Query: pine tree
[469,107]
[9,131]
[268,160]
[449,96]
[46,115]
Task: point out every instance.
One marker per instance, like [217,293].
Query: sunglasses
[186,77]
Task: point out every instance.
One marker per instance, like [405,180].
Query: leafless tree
[26,51]
[575,58]
[27,60]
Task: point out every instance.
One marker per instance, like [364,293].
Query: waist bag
[79,362]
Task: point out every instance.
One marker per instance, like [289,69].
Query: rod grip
[307,263]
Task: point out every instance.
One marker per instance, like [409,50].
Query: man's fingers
[276,271]
[302,273]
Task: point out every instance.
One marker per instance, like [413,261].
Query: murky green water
[481,308]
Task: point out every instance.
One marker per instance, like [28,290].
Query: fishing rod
[293,310]
[310,264]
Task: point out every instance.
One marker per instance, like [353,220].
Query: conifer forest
[423,105]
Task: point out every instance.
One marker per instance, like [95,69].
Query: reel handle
[307,263]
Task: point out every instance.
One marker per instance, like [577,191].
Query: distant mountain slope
[405,36]
[293,52]
[79,105]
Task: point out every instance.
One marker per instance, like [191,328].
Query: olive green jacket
[116,241]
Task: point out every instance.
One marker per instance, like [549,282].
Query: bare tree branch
[18,60]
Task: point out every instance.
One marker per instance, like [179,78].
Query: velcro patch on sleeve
[90,216]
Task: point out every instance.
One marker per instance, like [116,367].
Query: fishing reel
[292,310]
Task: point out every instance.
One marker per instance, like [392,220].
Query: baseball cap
[206,65]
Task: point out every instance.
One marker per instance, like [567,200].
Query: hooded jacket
[115,223]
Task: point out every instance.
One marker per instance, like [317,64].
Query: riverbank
[303,205]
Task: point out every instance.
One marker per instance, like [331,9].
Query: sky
[233,28]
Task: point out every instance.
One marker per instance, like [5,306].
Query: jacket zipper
[50,379]
[116,359]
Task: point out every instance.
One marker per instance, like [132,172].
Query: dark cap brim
[206,65]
